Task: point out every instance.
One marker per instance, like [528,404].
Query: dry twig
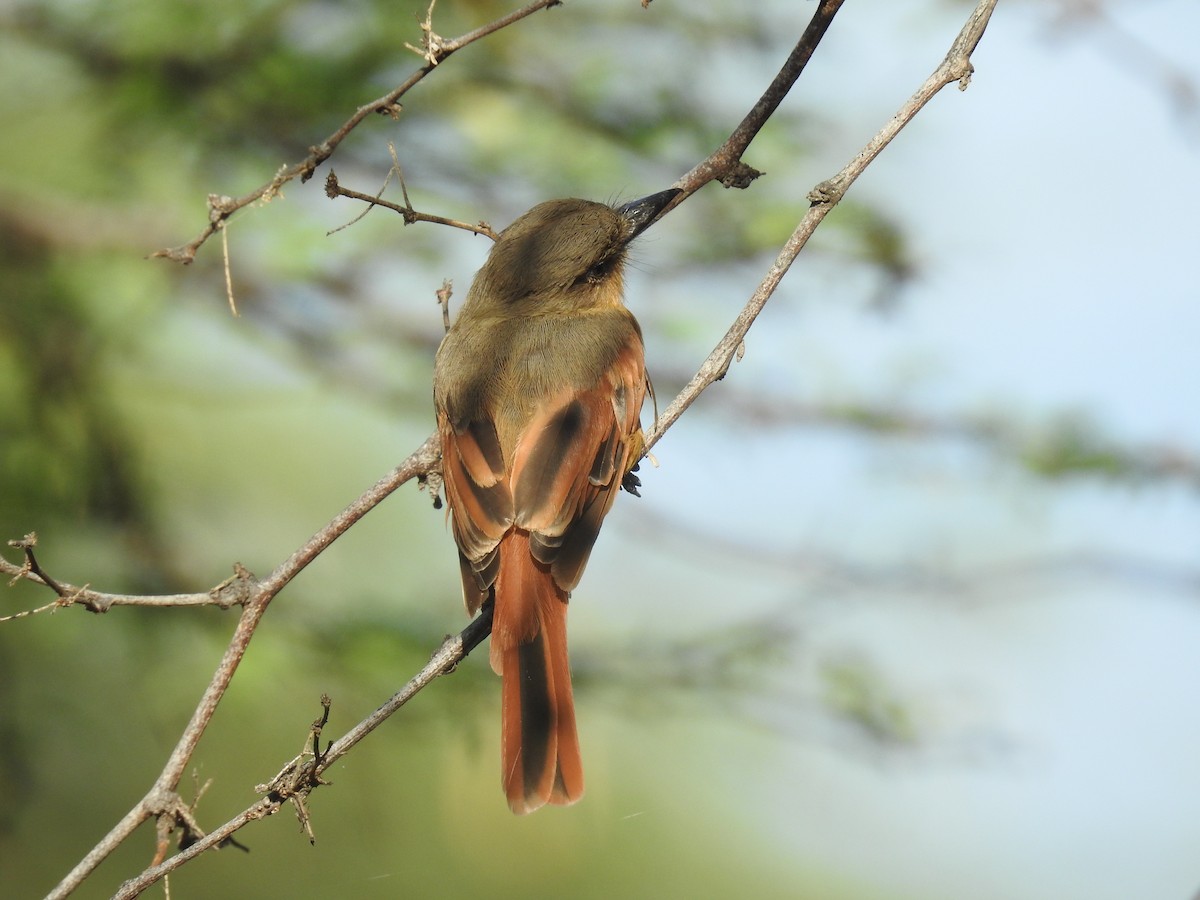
[334,190]
[220,207]
[956,67]
[300,777]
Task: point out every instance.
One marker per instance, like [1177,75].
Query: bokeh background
[908,609]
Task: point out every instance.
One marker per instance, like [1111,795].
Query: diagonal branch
[299,778]
[162,797]
[725,163]
[824,197]
[436,49]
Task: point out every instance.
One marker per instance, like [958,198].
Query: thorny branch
[435,50]
[234,591]
[301,776]
[162,798]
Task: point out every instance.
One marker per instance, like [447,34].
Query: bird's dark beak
[641,213]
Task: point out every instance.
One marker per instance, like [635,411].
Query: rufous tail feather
[539,747]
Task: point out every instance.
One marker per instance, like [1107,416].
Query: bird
[538,390]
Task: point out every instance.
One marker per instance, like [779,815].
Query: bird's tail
[539,747]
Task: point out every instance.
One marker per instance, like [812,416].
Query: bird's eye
[596,273]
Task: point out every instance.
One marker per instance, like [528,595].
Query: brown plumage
[538,388]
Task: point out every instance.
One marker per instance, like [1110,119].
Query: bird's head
[563,256]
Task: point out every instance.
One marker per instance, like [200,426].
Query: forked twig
[298,779]
[220,207]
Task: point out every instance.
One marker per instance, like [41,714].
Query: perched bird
[538,388]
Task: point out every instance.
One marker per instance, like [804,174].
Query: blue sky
[1052,209]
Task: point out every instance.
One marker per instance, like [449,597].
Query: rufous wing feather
[479,500]
[528,496]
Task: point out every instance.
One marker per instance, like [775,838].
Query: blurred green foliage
[151,440]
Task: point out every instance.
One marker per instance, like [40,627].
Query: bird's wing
[479,499]
[568,463]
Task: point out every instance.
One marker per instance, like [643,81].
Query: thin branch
[234,591]
[394,170]
[443,298]
[725,163]
[31,567]
[333,190]
[162,798]
[228,273]
[824,197]
[303,774]
[301,777]
[221,208]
